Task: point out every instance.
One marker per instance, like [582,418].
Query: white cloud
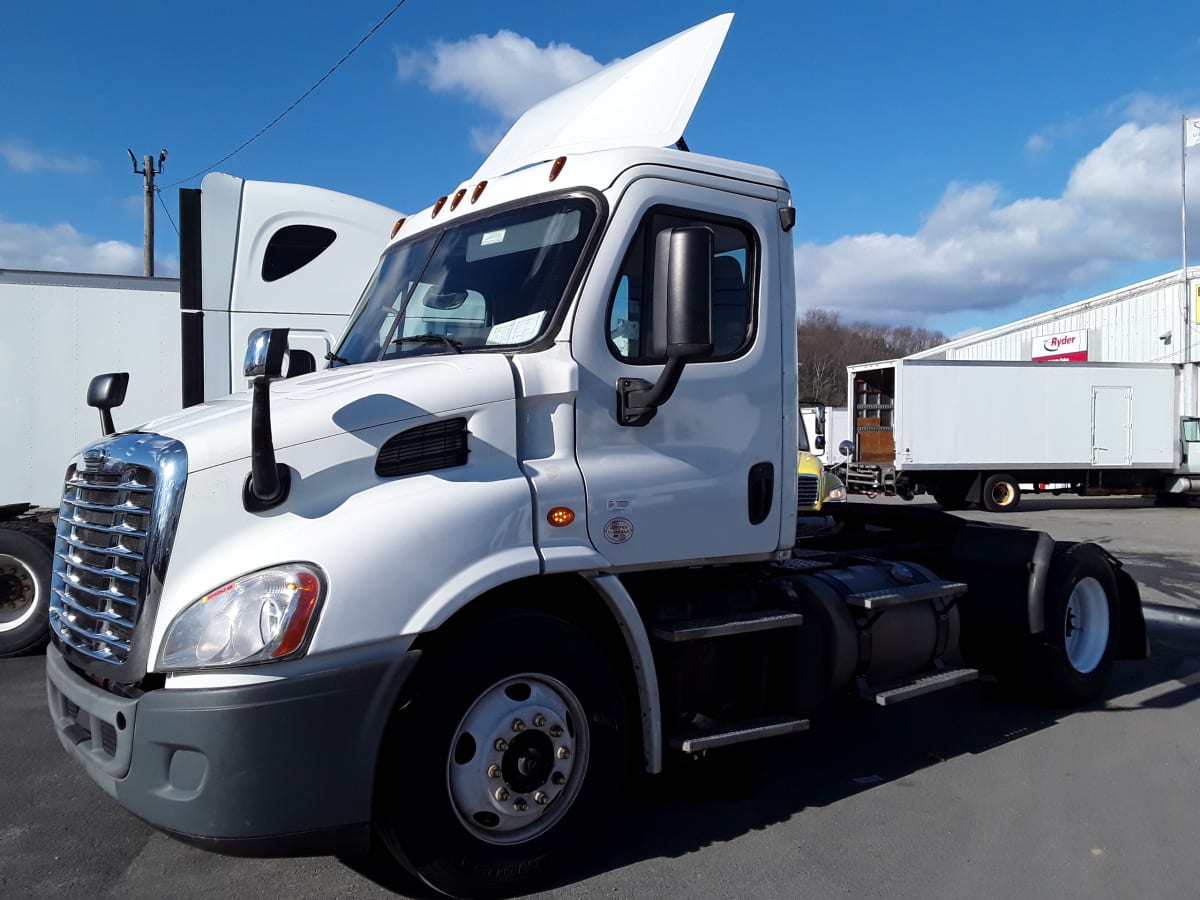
[505,73]
[979,250]
[20,157]
[61,248]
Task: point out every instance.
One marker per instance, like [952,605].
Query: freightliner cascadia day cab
[534,528]
[244,245]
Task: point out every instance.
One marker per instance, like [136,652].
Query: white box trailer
[969,431]
[181,342]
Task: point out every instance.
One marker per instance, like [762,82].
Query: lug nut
[520,805]
[564,753]
[493,771]
[539,721]
[555,731]
[558,778]
[501,794]
[501,744]
[540,798]
[518,725]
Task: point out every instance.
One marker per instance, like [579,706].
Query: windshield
[483,284]
[803,435]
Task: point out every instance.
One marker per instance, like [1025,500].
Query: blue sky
[954,165]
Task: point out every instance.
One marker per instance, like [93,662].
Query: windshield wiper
[333,357]
[431,338]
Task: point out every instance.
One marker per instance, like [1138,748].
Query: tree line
[826,345]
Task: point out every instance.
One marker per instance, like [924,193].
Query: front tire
[26,560]
[506,758]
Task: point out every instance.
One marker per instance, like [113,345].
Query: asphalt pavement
[970,792]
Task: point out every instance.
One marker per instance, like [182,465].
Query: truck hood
[341,400]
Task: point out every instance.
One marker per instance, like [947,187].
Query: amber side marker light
[437,207]
[475,194]
[399,224]
[556,169]
[560,516]
[458,195]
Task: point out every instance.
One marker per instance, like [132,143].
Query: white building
[1152,321]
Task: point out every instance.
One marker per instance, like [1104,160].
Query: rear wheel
[1001,493]
[507,757]
[26,561]
[1082,620]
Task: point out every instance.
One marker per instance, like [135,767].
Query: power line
[298,101]
[170,218]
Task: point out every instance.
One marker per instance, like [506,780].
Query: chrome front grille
[808,491]
[116,526]
[100,565]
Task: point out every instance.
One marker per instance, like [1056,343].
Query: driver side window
[735,267]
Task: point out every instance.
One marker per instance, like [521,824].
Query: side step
[924,684]
[913,593]
[725,734]
[723,626]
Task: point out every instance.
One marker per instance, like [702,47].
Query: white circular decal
[618,530]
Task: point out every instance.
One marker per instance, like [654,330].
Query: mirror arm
[638,400]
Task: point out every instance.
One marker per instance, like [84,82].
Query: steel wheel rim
[1086,625]
[18,592]
[1002,494]
[517,759]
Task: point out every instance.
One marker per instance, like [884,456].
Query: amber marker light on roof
[399,224]
[458,195]
[478,190]
[556,169]
[560,516]
[437,207]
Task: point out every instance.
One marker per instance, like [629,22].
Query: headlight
[259,617]
[837,494]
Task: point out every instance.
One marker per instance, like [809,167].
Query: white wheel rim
[518,759]
[1086,625]
[18,593]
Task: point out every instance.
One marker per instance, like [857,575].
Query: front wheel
[26,560]
[506,758]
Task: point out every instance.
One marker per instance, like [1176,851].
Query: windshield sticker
[618,530]
[492,237]
[517,331]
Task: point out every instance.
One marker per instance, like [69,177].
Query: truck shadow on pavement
[850,749]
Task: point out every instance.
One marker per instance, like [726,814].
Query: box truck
[179,340]
[534,528]
[982,432]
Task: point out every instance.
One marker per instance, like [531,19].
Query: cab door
[702,479]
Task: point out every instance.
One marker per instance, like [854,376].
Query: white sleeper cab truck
[252,254]
[533,529]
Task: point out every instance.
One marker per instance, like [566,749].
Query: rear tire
[1083,616]
[26,562]
[507,758]
[1001,493]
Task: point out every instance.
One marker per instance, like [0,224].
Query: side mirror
[846,448]
[683,288]
[105,393]
[265,350]
[683,314]
[819,441]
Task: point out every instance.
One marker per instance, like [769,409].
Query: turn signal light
[560,516]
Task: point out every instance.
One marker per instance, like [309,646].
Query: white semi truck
[982,432]
[244,245]
[535,527]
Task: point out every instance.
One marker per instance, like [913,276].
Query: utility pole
[148,171]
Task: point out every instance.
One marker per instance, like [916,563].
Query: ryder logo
[1060,342]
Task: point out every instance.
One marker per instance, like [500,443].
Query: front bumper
[285,767]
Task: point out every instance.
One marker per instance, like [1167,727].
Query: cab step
[723,626]
[900,596]
[713,733]
[922,684]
